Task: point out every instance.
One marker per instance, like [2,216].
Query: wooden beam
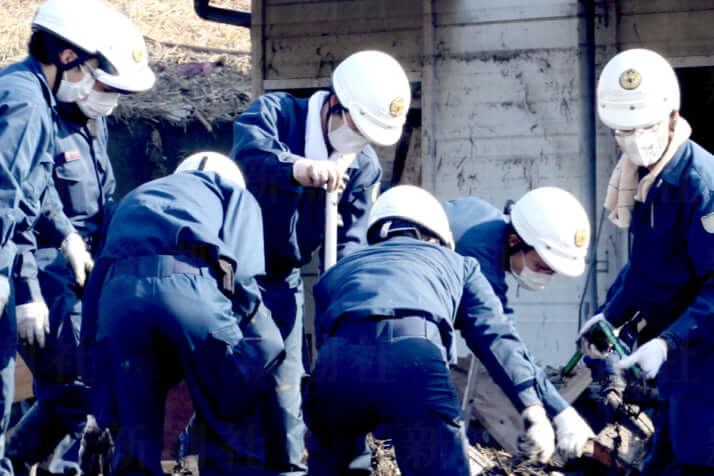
[257,39]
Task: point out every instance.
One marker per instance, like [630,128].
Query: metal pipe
[589,134]
[331,216]
[221,15]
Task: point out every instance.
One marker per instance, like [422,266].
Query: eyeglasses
[106,88]
[621,133]
[343,112]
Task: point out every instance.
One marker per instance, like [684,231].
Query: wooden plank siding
[306,40]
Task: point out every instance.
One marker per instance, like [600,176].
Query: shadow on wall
[141,151]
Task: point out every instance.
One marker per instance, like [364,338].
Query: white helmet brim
[566,265]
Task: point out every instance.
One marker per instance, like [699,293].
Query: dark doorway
[697,89]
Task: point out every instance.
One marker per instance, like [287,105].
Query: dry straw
[203,68]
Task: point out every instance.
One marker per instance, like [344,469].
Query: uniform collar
[34,66]
[72,113]
[672,172]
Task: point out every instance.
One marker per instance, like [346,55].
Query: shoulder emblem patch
[71,155]
[708,222]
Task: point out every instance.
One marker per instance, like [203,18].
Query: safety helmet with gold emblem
[555,224]
[374,88]
[637,88]
[124,61]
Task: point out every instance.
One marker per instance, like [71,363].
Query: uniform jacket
[82,175]
[480,231]
[267,139]
[27,146]
[180,211]
[670,273]
[406,277]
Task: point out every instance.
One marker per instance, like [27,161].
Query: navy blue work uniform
[268,138]
[481,231]
[385,318]
[26,191]
[85,182]
[670,280]
[173,295]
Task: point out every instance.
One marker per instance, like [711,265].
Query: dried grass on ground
[203,67]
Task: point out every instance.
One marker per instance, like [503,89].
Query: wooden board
[23,380]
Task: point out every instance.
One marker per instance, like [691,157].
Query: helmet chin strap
[62,67]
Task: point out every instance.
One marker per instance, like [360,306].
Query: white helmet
[637,88]
[555,224]
[374,88]
[213,162]
[74,21]
[413,204]
[123,49]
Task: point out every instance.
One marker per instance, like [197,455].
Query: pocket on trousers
[262,335]
[234,374]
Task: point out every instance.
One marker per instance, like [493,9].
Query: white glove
[318,173]
[4,294]
[76,254]
[538,441]
[649,357]
[572,432]
[33,322]
[587,347]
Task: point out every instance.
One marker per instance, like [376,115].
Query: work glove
[4,294]
[77,256]
[538,440]
[33,322]
[588,347]
[318,173]
[572,432]
[649,357]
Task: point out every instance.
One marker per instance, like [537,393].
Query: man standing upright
[64,38]
[662,191]
[84,180]
[285,147]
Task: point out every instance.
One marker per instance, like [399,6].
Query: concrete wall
[509,112]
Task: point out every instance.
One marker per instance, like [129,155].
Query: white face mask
[529,279]
[73,92]
[344,139]
[98,103]
[644,147]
